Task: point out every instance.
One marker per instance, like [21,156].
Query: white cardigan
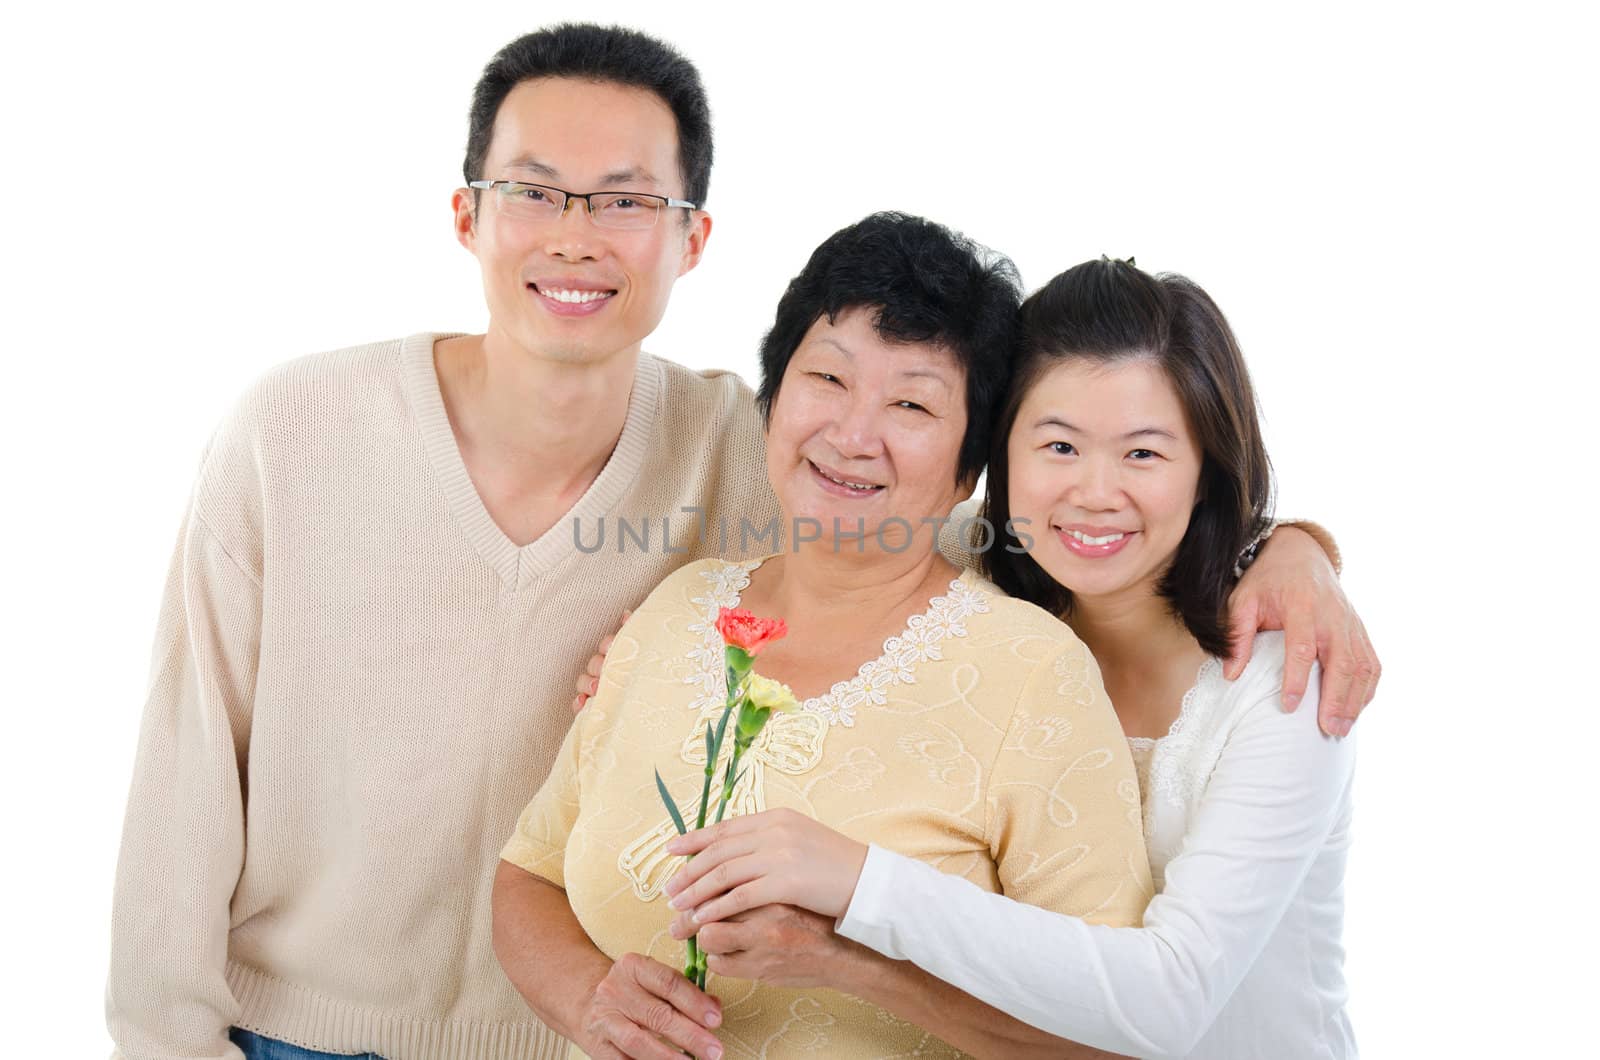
[1247,817]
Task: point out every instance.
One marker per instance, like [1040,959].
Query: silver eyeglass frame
[663,201]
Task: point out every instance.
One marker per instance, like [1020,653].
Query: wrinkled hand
[588,682]
[776,944]
[1292,586]
[643,1010]
[777,856]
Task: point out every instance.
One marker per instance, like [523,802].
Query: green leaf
[672,807]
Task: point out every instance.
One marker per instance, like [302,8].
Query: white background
[1395,205]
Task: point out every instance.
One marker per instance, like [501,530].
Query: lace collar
[919,642]
[1171,758]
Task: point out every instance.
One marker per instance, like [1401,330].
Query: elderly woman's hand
[779,945]
[644,1010]
[775,857]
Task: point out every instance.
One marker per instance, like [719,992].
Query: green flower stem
[739,663]
[731,777]
[713,749]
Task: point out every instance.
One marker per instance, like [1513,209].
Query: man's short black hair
[612,54]
[927,284]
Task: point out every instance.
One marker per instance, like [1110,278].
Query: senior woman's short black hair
[928,285]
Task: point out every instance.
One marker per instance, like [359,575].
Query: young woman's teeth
[1086,539]
[558,295]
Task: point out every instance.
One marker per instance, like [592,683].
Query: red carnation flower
[741,629]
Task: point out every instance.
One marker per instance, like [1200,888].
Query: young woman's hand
[1292,586]
[778,857]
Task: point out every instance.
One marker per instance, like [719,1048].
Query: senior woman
[940,718]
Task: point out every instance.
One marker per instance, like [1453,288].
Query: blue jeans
[258,1048]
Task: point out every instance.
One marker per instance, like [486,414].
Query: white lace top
[1247,817]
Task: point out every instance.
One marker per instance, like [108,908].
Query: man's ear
[465,204]
[694,240]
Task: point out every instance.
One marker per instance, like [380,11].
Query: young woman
[1131,464]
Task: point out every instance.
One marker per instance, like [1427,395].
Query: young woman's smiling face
[1106,470]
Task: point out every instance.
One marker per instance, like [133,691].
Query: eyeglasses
[608,209]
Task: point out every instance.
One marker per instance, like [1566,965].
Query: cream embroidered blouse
[980,742]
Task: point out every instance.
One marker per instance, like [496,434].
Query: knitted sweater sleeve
[183,834]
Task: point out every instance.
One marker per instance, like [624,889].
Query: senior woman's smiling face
[865,431]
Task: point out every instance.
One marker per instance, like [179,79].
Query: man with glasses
[378,607]
[394,562]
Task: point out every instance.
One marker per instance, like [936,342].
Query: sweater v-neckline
[520,565]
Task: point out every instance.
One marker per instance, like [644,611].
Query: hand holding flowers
[777,857]
[779,945]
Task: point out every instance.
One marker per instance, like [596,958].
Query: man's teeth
[863,486]
[560,295]
[1086,539]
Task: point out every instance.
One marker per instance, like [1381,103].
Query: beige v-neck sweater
[358,682]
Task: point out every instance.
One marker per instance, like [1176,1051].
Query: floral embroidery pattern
[919,642]
[727,582]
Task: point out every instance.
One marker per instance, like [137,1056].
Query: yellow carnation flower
[767,694]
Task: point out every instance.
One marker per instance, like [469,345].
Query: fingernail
[1291,700]
[1339,727]
[672,903]
[713,1018]
[713,1052]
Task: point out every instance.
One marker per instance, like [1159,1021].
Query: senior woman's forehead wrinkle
[941,371]
[937,376]
[829,340]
